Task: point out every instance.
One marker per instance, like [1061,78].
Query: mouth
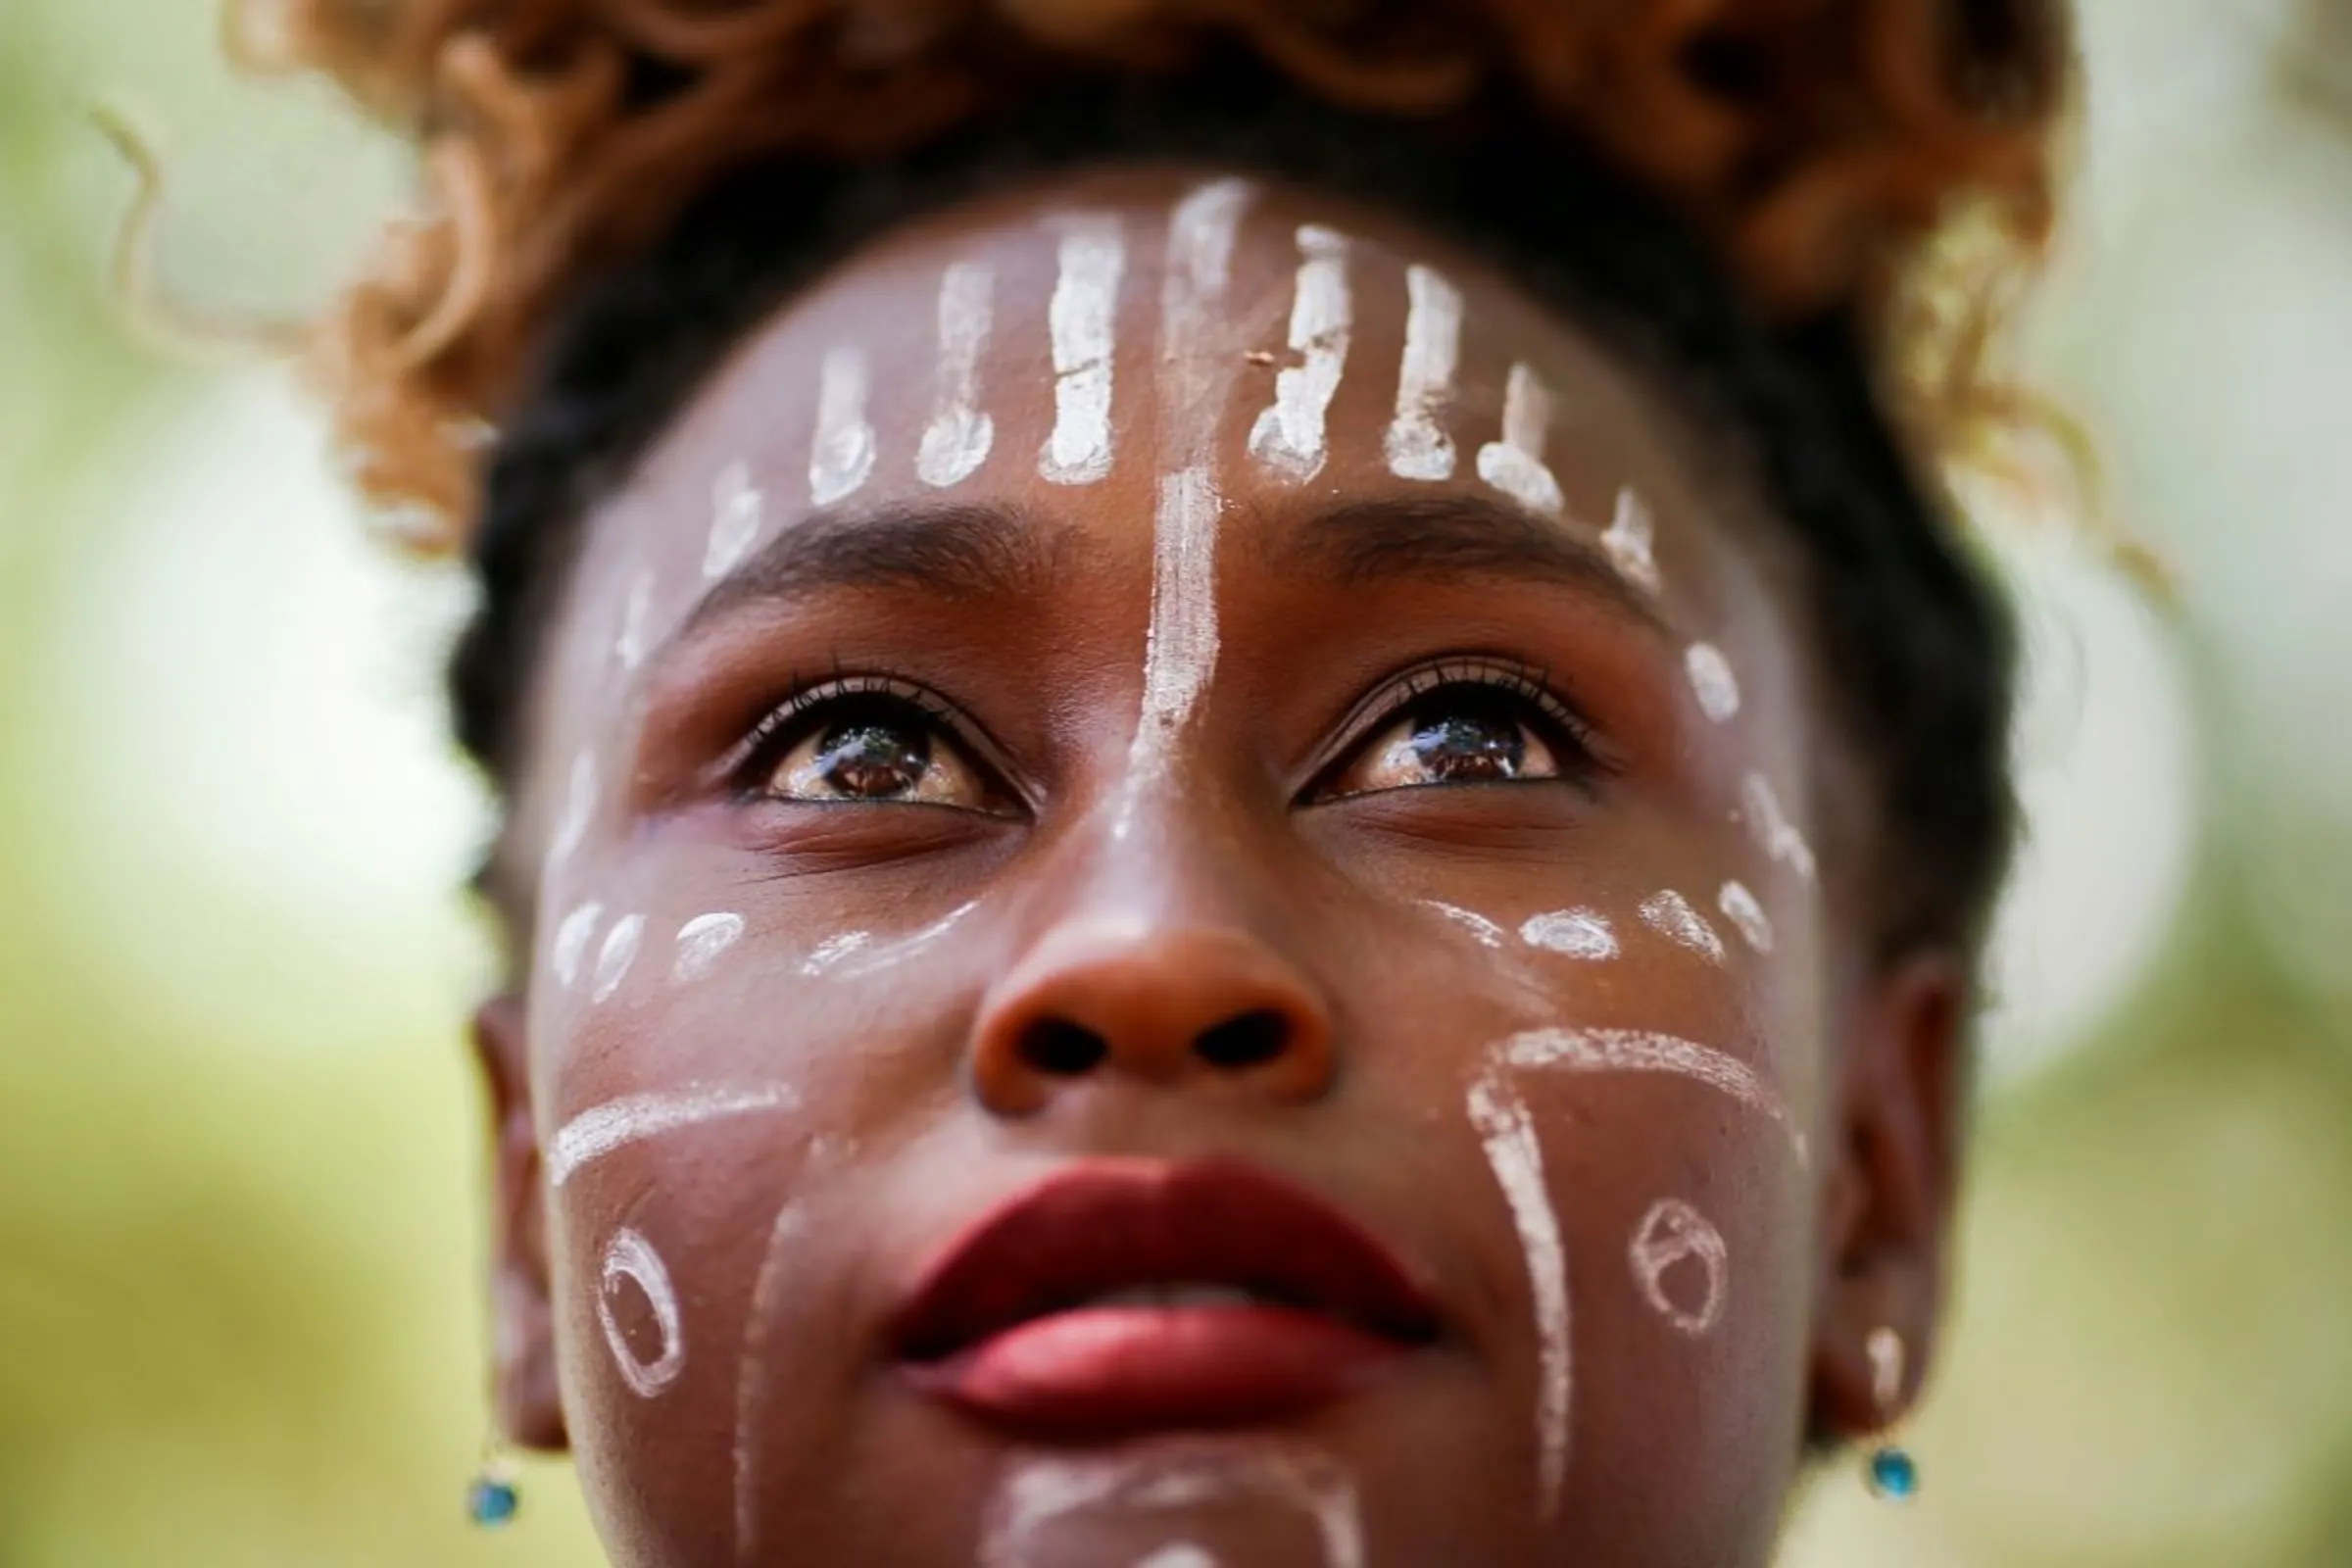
[1124,1296]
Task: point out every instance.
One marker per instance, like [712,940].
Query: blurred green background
[238,1235]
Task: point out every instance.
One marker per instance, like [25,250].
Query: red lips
[1233,1298]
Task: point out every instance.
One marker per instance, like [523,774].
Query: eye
[1464,722]
[867,741]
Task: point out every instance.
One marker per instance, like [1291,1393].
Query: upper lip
[1111,1225]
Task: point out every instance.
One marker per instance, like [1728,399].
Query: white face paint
[1488,934]
[1180,1554]
[579,804]
[957,439]
[1712,682]
[1081,319]
[629,646]
[570,944]
[1417,445]
[1573,932]
[1773,833]
[700,941]
[1288,437]
[1633,1050]
[1747,916]
[614,959]
[1508,1134]
[829,953]
[1045,1489]
[870,958]
[737,512]
[601,1129]
[1180,644]
[630,1256]
[1670,915]
[842,454]
[752,1374]
[1631,541]
[1514,464]
[1670,1232]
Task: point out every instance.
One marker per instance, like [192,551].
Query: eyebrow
[1455,538]
[944,550]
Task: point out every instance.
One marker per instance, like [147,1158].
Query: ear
[524,1383]
[1899,1095]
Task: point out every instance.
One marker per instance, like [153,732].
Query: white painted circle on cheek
[630,1256]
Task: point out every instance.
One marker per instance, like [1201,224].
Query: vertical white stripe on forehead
[1417,445]
[1631,541]
[1081,320]
[957,440]
[843,453]
[1180,648]
[1514,464]
[1288,437]
[1202,232]
[1712,682]
[737,510]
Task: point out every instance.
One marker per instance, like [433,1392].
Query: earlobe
[1897,1092]
[524,1386]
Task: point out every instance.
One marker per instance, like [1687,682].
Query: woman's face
[1175,924]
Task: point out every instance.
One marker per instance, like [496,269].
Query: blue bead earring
[492,1499]
[1891,1472]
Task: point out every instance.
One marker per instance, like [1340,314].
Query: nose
[1200,1006]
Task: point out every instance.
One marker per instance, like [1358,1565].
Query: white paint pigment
[614,959]
[1777,837]
[1571,933]
[960,433]
[630,1256]
[1671,916]
[1669,1234]
[1747,914]
[841,453]
[1712,682]
[701,941]
[1637,1051]
[1041,1490]
[1417,445]
[1288,437]
[828,953]
[1081,320]
[629,644]
[1514,464]
[1508,1134]
[579,804]
[570,943]
[752,1371]
[737,512]
[1631,541]
[1488,933]
[617,1123]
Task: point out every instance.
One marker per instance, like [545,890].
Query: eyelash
[1573,737]
[788,722]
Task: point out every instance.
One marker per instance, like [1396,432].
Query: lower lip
[1105,1371]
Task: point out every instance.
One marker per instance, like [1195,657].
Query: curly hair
[1821,144]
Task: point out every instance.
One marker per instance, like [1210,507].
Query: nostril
[1245,1041]
[1062,1049]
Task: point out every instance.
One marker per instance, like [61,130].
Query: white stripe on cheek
[1488,933]
[1514,464]
[843,453]
[579,803]
[1775,834]
[1635,1051]
[957,440]
[571,942]
[601,1129]
[1081,320]
[629,646]
[1742,908]
[1288,437]
[700,941]
[614,959]
[1508,1136]
[1417,445]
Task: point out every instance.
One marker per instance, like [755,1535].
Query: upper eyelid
[805,698]
[1390,701]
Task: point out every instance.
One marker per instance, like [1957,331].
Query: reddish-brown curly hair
[1825,143]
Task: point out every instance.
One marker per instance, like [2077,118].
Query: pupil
[1470,745]
[869,758]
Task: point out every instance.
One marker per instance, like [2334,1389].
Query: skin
[1283,862]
